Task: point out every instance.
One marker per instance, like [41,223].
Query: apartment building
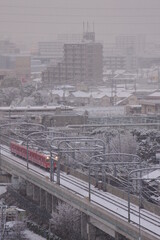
[82,62]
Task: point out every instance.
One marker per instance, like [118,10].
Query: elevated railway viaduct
[47,194]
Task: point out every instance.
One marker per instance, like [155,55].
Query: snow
[155,94]
[152,175]
[32,236]
[102,111]
[81,94]
[3,189]
[11,224]
[149,222]
[60,93]
[98,94]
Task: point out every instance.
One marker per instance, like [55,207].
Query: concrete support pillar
[36,194]
[91,230]
[84,220]
[22,186]
[15,182]
[42,198]
[88,231]
[29,190]
[54,203]
[117,236]
[49,202]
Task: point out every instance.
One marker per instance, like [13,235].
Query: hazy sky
[40,20]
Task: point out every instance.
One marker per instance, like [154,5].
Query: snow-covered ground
[3,189]
[32,236]
[29,234]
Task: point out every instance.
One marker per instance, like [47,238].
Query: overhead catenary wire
[75,15]
[80,23]
[82,8]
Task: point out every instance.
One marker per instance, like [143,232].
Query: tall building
[18,64]
[54,49]
[7,47]
[132,44]
[82,62]
[50,52]
[124,53]
[23,68]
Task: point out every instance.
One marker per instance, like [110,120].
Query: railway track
[148,221]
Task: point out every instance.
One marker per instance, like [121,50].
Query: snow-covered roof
[60,93]
[81,94]
[37,80]
[65,87]
[109,71]
[120,92]
[135,106]
[152,175]
[145,90]
[151,102]
[30,235]
[155,94]
[123,94]
[98,94]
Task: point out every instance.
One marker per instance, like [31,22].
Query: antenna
[83,28]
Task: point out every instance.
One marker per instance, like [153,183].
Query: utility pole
[158,79]
[113,88]
[3,220]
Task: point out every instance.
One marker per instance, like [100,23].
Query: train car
[39,158]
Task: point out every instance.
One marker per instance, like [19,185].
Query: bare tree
[123,143]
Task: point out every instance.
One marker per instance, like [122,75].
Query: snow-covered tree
[28,89]
[148,143]
[66,222]
[42,97]
[123,143]
[11,94]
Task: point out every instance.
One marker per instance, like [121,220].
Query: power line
[81,8]
[99,34]
[75,15]
[80,23]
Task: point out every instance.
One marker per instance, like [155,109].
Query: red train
[39,158]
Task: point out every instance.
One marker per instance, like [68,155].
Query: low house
[150,107]
[129,100]
[59,95]
[79,98]
[151,181]
[100,99]
[133,109]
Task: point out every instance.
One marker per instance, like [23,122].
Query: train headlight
[47,158]
[56,158]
